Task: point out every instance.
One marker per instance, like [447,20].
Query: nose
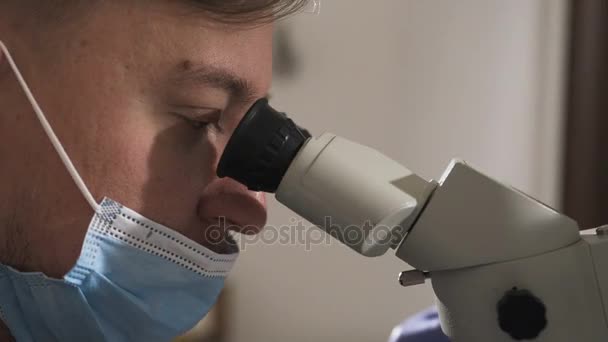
[227,201]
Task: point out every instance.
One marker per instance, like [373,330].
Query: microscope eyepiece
[261,148]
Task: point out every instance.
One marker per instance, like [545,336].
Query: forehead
[147,33]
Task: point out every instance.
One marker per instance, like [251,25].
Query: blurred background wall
[422,81]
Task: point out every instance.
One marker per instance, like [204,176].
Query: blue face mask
[135,279]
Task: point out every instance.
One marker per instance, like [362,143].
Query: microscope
[503,266]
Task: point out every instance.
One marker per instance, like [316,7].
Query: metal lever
[413,277]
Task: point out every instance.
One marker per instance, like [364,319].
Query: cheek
[152,159]
[120,160]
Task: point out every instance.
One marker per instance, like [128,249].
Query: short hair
[223,11]
[243,11]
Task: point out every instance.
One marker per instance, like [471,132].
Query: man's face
[144,96]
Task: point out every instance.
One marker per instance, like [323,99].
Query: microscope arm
[505,267]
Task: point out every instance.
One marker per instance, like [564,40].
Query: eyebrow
[237,87]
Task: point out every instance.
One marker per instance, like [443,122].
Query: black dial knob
[521,314]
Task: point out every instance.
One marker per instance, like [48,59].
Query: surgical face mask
[135,279]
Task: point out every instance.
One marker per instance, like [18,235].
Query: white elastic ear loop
[49,131]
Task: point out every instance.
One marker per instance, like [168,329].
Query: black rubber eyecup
[261,148]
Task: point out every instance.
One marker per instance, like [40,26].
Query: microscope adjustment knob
[521,314]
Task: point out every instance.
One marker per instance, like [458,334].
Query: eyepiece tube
[261,149]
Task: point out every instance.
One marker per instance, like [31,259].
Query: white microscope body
[504,267]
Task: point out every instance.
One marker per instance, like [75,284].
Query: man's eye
[196,124]
[200,121]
